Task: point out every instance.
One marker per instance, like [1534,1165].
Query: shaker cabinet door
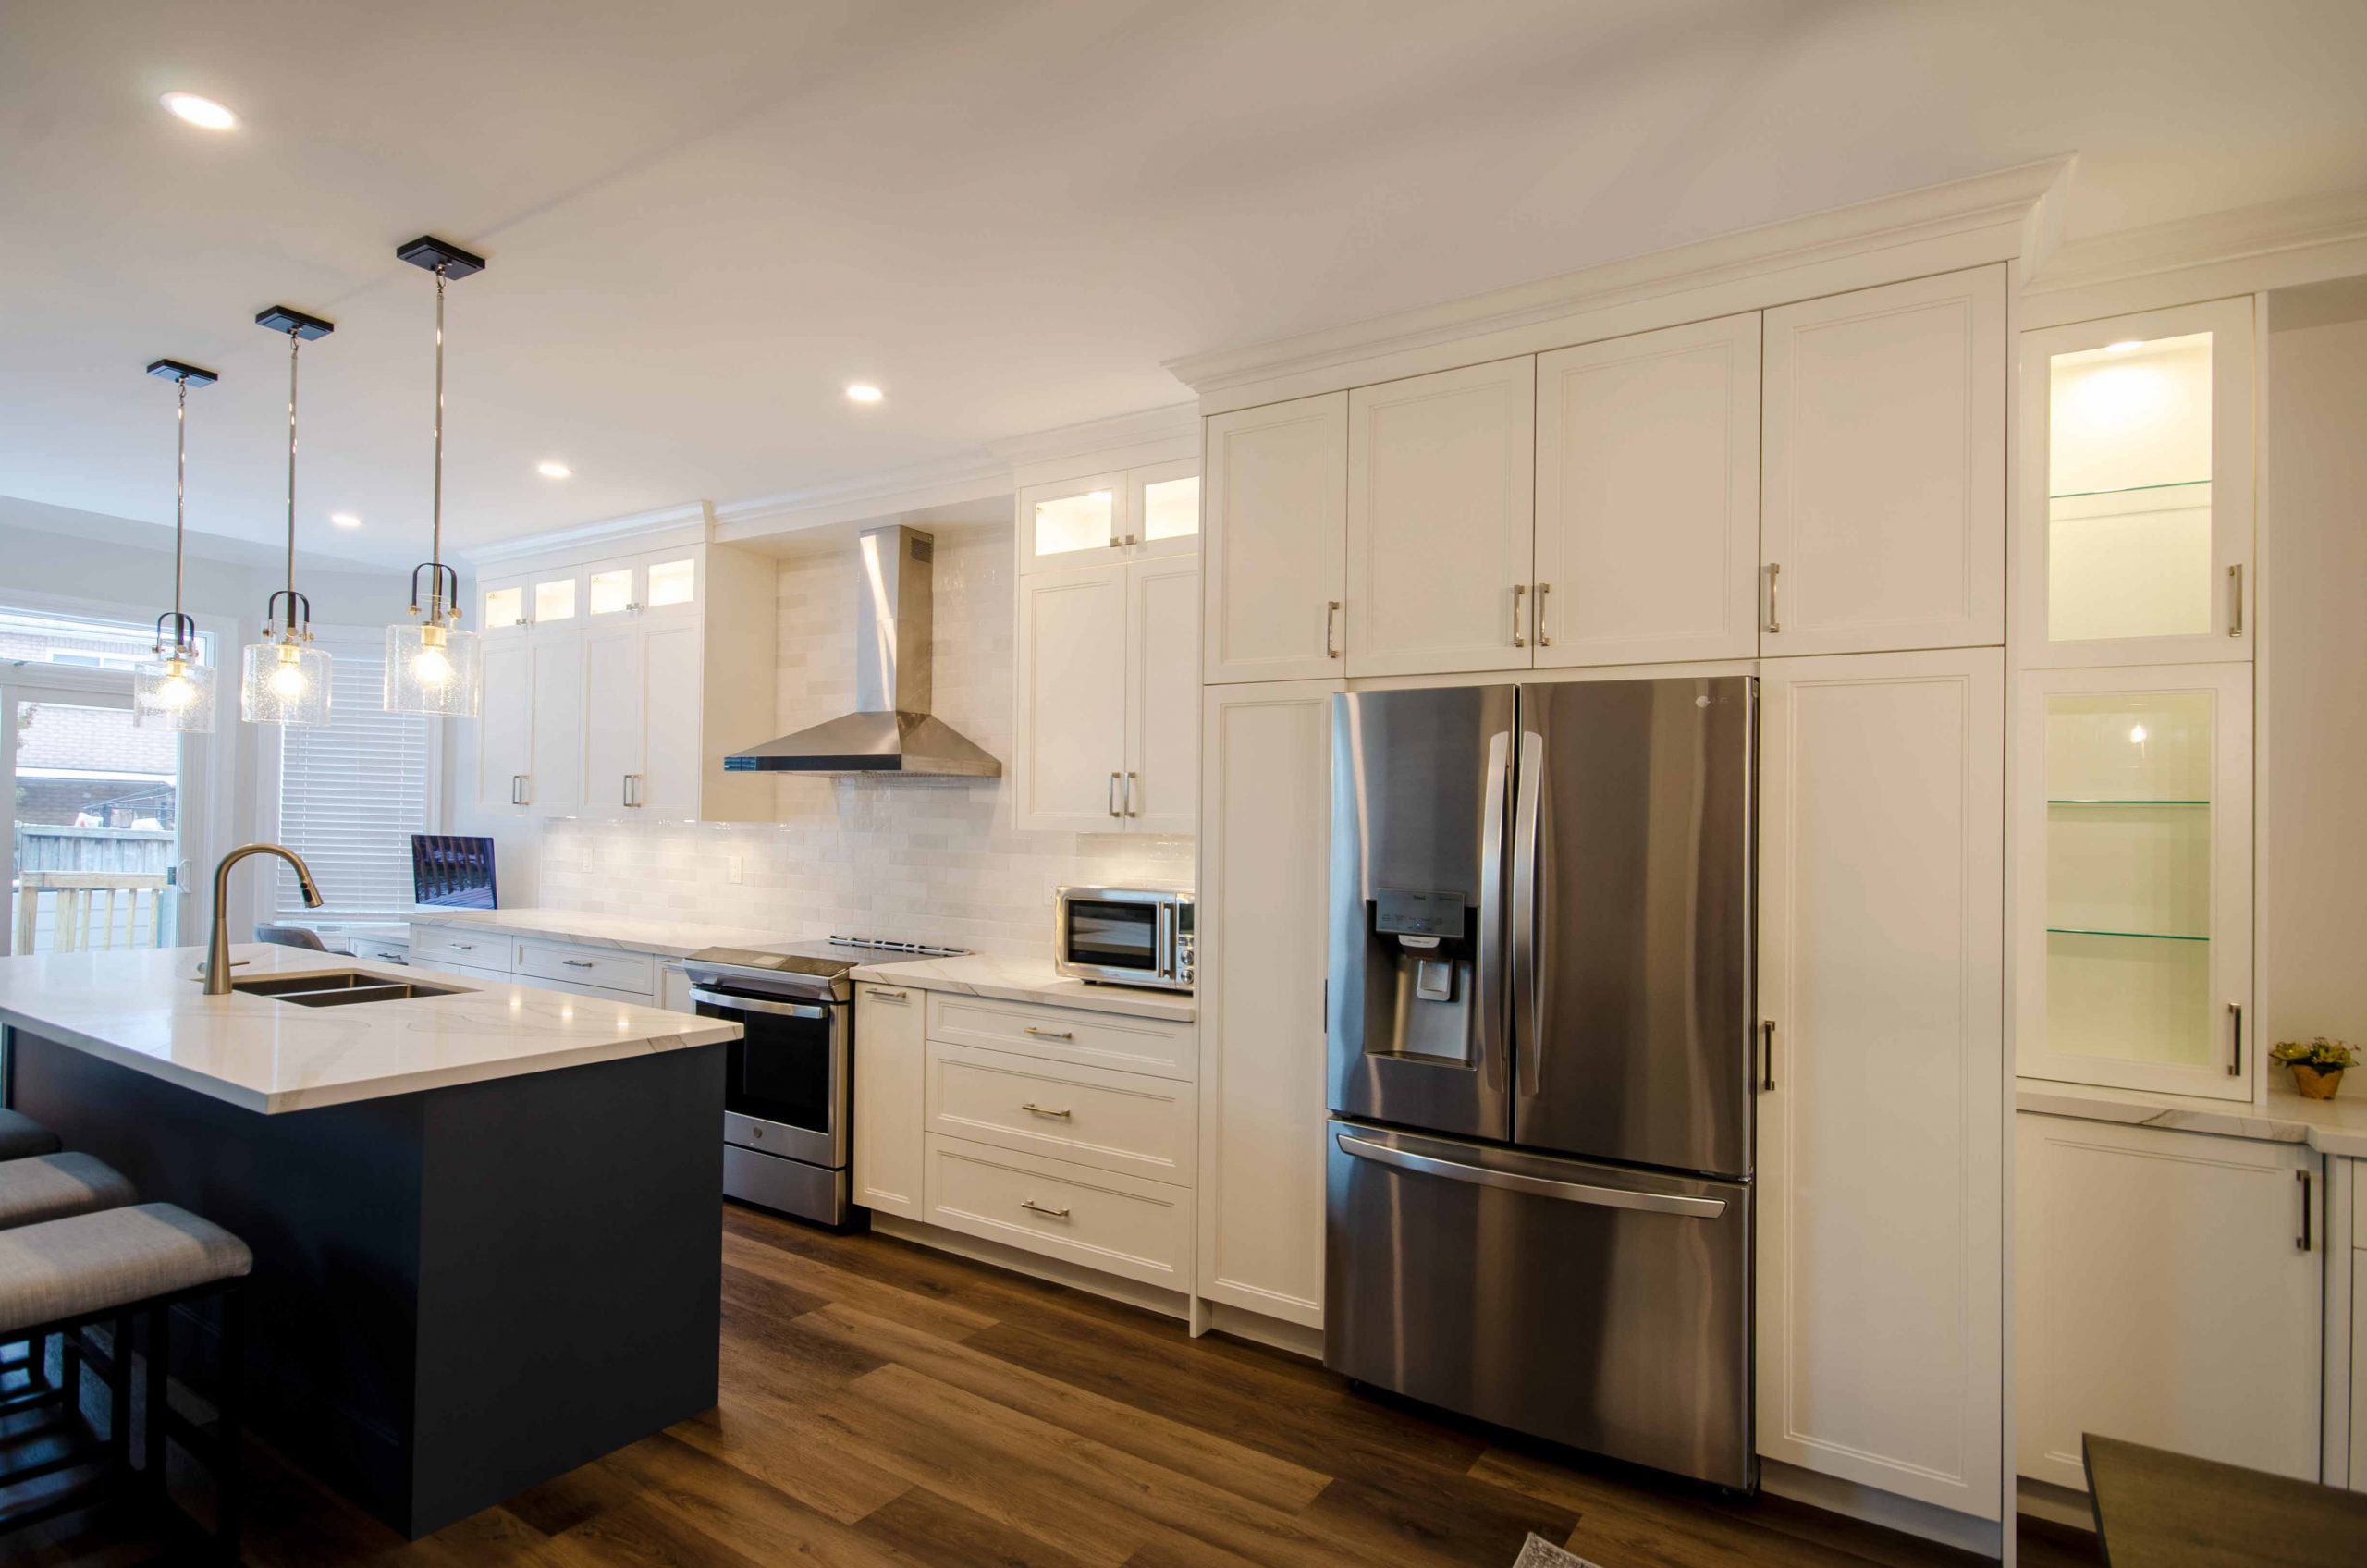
[1276,514]
[1068,770]
[1162,787]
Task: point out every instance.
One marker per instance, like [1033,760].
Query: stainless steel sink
[343,988]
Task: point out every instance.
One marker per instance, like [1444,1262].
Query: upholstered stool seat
[88,1266]
[21,1137]
[58,1186]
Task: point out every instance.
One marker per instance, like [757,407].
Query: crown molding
[2023,202]
[2239,234]
[666,524]
[970,477]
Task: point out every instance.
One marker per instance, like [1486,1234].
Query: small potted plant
[2317,1065]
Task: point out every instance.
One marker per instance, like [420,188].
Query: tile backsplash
[932,860]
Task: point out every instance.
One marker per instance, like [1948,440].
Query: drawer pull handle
[1055,1213]
[1033,1110]
[579,963]
[1050,1033]
[881,994]
[464,947]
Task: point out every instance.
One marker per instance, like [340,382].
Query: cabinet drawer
[475,974]
[482,950]
[1124,1121]
[1064,1033]
[605,967]
[1094,1218]
[378,952]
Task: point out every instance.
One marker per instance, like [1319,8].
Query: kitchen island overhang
[478,1265]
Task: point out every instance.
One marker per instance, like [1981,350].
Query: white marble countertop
[1027,980]
[143,1008]
[673,939]
[2336,1126]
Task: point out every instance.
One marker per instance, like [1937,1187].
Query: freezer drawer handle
[1536,1186]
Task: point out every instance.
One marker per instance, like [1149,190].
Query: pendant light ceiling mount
[283,679]
[186,375]
[295,323]
[432,667]
[176,691]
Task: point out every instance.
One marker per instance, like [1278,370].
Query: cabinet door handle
[2235,1017]
[1767,1053]
[1330,629]
[1545,638]
[2236,601]
[1050,1033]
[881,994]
[1518,590]
[464,947]
[1112,802]
[1774,575]
[2305,1240]
[579,963]
[1033,1110]
[1036,1208]
[517,789]
[1132,810]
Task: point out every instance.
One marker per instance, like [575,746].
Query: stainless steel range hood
[891,731]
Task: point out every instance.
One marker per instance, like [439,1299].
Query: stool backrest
[291,936]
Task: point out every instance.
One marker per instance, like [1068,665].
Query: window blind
[352,792]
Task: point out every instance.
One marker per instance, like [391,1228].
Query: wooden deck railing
[86,907]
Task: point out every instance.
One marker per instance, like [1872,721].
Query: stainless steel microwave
[1124,935]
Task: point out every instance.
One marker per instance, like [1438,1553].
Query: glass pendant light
[432,665]
[176,691]
[283,679]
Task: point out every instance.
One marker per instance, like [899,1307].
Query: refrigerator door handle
[1534,1186]
[1526,804]
[1491,957]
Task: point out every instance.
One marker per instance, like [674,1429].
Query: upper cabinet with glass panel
[634,585]
[1129,515]
[2137,503]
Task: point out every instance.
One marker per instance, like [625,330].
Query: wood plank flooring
[888,1406]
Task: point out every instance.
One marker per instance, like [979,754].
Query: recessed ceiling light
[2124,346]
[861,393]
[200,111]
[551,468]
[344,520]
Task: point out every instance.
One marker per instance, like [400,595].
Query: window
[353,791]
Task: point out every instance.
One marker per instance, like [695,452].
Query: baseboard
[1909,1515]
[2057,1505]
[1296,1339]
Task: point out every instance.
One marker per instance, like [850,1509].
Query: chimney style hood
[891,731]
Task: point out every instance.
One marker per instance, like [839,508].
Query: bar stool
[113,1266]
[21,1137]
[32,1191]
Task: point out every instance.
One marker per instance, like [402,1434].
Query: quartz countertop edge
[2335,1127]
[142,1010]
[626,933]
[1027,980]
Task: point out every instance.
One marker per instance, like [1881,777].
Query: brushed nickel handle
[517,789]
[2236,601]
[1518,590]
[1330,629]
[579,963]
[464,947]
[1035,1109]
[882,993]
[1132,810]
[1114,796]
[2235,1017]
[1545,638]
[2304,1240]
[1767,1053]
[1774,576]
[1050,1033]
[1039,1208]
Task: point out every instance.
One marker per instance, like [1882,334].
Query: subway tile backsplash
[934,860]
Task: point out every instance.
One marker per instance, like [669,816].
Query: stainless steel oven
[1124,935]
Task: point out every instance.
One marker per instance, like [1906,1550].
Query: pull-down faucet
[217,948]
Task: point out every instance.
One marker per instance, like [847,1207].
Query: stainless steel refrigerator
[1540,1017]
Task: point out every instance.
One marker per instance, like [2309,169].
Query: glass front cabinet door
[1135,514]
[2135,878]
[2137,503]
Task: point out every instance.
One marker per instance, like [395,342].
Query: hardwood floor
[885,1404]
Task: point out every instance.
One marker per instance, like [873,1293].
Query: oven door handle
[753,1004]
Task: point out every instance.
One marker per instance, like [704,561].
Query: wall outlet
[738,865]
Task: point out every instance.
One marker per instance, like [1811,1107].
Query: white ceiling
[706,217]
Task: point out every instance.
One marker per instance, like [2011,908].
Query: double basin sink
[343,988]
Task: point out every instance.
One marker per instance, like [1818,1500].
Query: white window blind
[353,791]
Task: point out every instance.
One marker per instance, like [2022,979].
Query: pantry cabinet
[1880,1132]
[1274,568]
[1442,521]
[1648,498]
[1882,522]
[1261,920]
[2166,1291]
[2137,468]
[1107,698]
[2134,893]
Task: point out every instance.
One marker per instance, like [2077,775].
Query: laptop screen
[450,871]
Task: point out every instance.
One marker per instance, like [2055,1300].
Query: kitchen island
[485,1222]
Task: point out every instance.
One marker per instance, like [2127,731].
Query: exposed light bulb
[2136,734]
[176,691]
[288,681]
[430,668]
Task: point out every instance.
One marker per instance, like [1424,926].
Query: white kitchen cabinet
[2163,1295]
[1881,1130]
[1274,563]
[616,709]
[1883,520]
[1265,838]
[2134,901]
[530,759]
[889,1067]
[2137,468]
[1442,521]
[642,732]
[1139,513]
[1107,724]
[660,583]
[1648,498]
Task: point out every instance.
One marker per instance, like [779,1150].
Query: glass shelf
[2128,489]
[2128,935]
[2101,802]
